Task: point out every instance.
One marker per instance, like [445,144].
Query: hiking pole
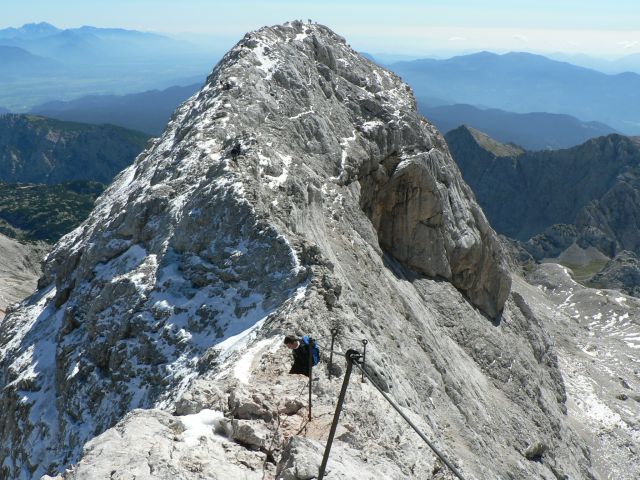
[310,372]
[352,356]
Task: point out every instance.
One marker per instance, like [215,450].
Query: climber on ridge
[301,356]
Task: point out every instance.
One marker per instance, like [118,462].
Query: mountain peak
[487,143]
[39,26]
[297,174]
[38,29]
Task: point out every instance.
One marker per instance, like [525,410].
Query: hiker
[300,347]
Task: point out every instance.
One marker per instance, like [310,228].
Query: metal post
[364,357]
[311,342]
[334,332]
[352,355]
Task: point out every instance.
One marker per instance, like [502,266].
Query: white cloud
[522,38]
[626,44]
[457,39]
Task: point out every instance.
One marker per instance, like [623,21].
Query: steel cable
[396,407]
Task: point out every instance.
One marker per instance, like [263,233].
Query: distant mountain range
[628,63]
[29,31]
[532,131]
[41,62]
[579,207]
[41,150]
[523,193]
[147,112]
[75,45]
[523,83]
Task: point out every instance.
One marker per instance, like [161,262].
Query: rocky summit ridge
[298,191]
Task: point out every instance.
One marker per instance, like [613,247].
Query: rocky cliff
[36,149]
[621,272]
[19,270]
[298,191]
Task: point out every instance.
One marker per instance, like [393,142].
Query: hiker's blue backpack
[315,351]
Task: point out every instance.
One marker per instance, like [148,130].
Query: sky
[402,27]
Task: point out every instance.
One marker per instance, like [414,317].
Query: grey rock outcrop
[425,217]
[183,448]
[621,273]
[19,270]
[615,216]
[552,242]
[279,200]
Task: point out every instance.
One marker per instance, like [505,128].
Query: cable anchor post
[364,357]
[334,333]
[352,356]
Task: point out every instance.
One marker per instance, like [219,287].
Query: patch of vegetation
[31,212]
[583,273]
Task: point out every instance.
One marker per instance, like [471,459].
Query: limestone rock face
[579,205]
[19,270]
[277,201]
[184,448]
[552,242]
[426,218]
[615,215]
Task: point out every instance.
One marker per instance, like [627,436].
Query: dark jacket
[300,359]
